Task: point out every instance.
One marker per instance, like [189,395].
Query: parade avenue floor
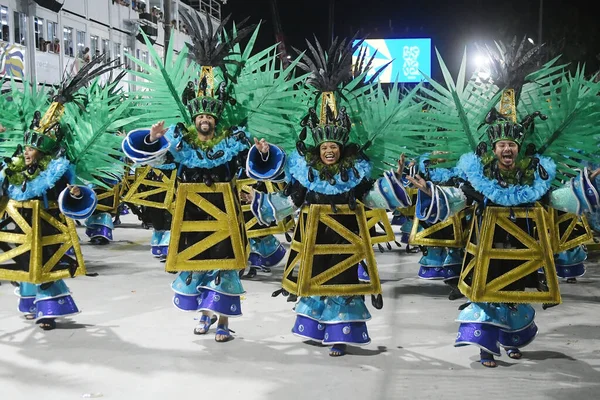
[130,342]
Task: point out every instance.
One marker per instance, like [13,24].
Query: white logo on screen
[410,69]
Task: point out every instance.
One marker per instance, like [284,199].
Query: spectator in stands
[42,44]
[56,46]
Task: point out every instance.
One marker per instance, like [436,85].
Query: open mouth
[330,157]
[507,158]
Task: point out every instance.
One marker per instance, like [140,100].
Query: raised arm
[147,146]
[436,203]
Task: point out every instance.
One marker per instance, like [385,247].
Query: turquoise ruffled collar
[43,182]
[188,156]
[471,166]
[297,169]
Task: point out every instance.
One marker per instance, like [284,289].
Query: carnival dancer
[38,190]
[208,238]
[329,180]
[508,242]
[211,291]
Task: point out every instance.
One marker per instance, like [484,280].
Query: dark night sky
[452,25]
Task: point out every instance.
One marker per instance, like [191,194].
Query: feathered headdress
[328,72]
[44,131]
[210,49]
[510,67]
[354,111]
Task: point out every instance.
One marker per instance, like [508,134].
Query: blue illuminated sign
[409,58]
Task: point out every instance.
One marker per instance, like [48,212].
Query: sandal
[204,324]
[337,350]
[47,324]
[223,330]
[29,317]
[572,280]
[487,359]
[515,354]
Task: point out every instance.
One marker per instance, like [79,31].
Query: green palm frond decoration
[92,143]
[379,120]
[270,99]
[570,134]
[454,113]
[18,106]
[159,88]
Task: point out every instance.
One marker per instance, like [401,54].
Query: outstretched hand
[400,168]
[157,131]
[262,145]
[420,184]
[2,128]
[74,190]
[247,198]
[594,173]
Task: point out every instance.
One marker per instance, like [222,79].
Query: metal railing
[210,7]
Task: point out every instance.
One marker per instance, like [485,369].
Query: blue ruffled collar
[188,156]
[513,195]
[43,182]
[297,169]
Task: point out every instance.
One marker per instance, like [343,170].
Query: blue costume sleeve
[140,150]
[80,207]
[269,207]
[578,196]
[388,192]
[442,204]
[270,167]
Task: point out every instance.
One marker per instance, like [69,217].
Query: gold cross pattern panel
[508,249]
[569,230]
[34,242]
[325,252]
[207,232]
[452,232]
[152,188]
[253,228]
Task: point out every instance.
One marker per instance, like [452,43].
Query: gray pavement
[130,342]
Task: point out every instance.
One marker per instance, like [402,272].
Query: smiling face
[506,152]
[205,125]
[330,153]
[31,155]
